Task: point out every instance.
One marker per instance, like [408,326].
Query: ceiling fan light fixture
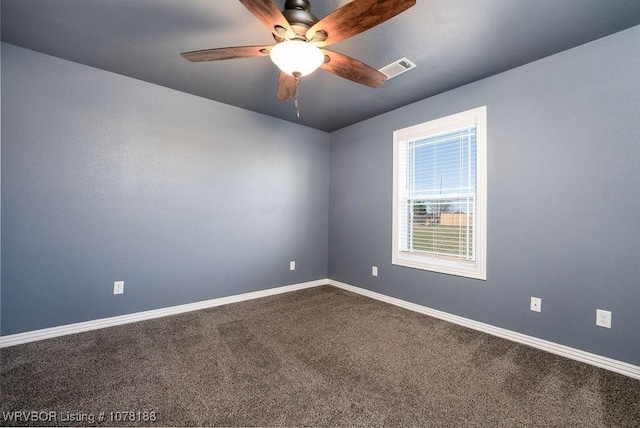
[297,56]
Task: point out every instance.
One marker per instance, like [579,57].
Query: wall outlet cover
[292,265]
[536,304]
[603,318]
[374,270]
[118,287]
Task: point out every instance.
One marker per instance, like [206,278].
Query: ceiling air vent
[397,67]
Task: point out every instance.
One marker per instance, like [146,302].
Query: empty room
[376,213]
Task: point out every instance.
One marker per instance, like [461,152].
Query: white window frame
[478,268]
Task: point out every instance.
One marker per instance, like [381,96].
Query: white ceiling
[453,42]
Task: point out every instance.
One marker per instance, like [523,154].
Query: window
[439,195]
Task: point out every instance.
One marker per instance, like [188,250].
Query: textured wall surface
[563,205]
[108,178]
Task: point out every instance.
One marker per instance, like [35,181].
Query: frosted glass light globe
[297,56]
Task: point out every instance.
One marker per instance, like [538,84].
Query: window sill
[458,268]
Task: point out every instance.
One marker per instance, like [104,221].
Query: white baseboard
[48,333]
[554,348]
[564,351]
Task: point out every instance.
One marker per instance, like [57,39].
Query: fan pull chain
[295,99]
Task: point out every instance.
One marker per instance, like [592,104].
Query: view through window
[439,202]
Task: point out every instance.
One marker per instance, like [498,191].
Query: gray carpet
[316,357]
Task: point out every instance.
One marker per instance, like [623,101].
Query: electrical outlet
[118,287]
[603,318]
[536,304]
[374,270]
[292,265]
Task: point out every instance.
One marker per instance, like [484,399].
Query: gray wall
[563,200]
[108,178]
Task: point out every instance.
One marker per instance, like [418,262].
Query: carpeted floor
[316,357]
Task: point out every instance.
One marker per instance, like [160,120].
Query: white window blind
[437,223]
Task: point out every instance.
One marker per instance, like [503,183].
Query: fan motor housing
[297,13]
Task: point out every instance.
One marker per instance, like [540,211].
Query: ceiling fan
[301,39]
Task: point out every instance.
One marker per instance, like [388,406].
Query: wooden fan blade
[352,69]
[226,53]
[286,87]
[268,13]
[356,17]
